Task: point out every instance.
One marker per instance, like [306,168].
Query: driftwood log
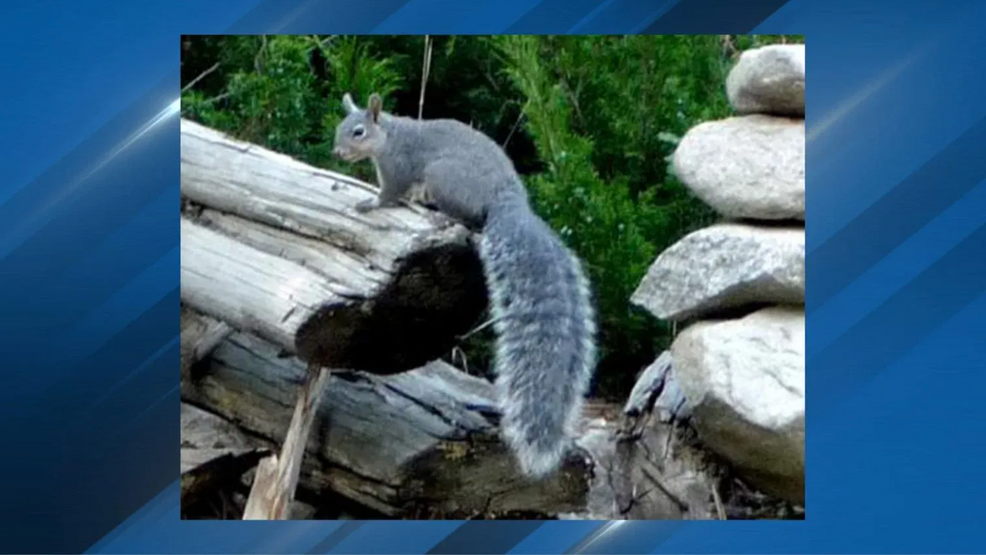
[399,445]
[273,247]
[279,273]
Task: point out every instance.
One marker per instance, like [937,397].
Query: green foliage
[599,218]
[284,92]
[590,122]
[272,104]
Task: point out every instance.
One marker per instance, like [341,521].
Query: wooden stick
[264,484]
[277,477]
[201,76]
[720,510]
[200,335]
[477,329]
[651,471]
[425,70]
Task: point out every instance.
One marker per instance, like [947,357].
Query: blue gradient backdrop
[89,275]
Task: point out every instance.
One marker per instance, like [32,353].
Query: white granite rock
[745,384]
[746,166]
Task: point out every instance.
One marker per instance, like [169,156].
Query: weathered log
[213,451]
[216,456]
[643,468]
[258,184]
[273,247]
[422,444]
[206,437]
[416,444]
[199,336]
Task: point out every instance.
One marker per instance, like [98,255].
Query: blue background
[89,292]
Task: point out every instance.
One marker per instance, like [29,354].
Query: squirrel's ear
[348,104]
[375,106]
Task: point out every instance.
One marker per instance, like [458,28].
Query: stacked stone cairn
[737,288]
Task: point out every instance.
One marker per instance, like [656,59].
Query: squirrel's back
[461,166]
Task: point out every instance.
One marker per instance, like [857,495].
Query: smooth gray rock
[724,266]
[769,80]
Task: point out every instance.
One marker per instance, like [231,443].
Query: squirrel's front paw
[365,206]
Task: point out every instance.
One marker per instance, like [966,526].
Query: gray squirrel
[540,298]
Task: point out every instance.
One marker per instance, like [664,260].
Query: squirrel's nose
[337,152]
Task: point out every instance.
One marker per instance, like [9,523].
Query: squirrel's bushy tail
[545,327]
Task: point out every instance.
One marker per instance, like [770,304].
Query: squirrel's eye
[358,131]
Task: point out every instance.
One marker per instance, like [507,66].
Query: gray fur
[540,297]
